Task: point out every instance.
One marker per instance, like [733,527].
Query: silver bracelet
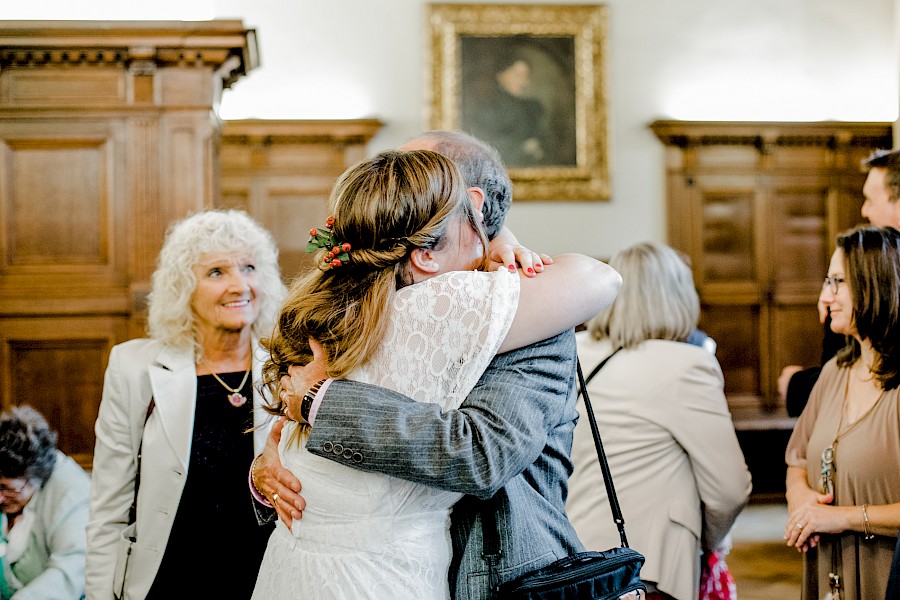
[867,533]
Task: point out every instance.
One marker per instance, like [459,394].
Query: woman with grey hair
[660,405]
[169,496]
[44,503]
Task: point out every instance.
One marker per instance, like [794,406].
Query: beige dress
[867,464]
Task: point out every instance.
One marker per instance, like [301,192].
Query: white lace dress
[372,536]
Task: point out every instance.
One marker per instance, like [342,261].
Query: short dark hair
[27,445]
[890,161]
[481,167]
[872,259]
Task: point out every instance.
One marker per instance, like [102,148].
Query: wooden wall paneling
[735,327]
[108,132]
[59,203]
[56,364]
[282,172]
[147,222]
[766,201]
[62,216]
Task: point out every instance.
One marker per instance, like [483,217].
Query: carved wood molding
[226,46]
[266,132]
[684,134]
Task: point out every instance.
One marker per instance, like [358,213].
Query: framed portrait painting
[530,80]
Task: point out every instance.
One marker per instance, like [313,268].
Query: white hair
[170,318]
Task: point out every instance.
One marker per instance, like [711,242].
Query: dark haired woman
[44,500]
[843,489]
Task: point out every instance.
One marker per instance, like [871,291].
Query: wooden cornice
[266,131]
[224,45]
[761,134]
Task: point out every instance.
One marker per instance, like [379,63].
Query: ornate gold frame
[588,178]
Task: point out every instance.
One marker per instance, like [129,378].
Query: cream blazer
[138,370]
[679,472]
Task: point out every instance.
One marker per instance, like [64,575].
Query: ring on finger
[275,500]
[799,526]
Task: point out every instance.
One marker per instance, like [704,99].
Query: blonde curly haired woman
[173,421]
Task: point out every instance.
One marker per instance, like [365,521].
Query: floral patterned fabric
[716,582]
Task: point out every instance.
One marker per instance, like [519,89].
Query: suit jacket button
[327,447]
[338,449]
[348,453]
[357,457]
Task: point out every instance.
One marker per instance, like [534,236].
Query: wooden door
[756,207]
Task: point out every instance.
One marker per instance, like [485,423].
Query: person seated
[44,501]
[660,405]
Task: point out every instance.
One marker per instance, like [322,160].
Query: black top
[216,546]
[801,383]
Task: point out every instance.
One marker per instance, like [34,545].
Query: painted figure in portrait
[518,93]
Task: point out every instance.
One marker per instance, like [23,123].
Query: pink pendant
[237,399]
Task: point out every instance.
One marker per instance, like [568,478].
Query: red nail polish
[530,271]
[511,268]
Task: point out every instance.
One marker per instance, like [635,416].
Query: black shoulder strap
[597,368]
[601,453]
[492,546]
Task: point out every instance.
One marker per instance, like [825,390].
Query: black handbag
[599,575]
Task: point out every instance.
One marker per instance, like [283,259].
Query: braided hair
[384,207]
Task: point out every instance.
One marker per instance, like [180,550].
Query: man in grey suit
[510,439]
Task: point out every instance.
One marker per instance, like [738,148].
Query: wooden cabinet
[756,207]
[282,172]
[108,132]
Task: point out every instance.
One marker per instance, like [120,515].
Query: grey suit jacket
[511,437]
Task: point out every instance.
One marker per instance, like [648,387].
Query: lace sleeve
[443,333]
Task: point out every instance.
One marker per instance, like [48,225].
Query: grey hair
[482,167]
[658,300]
[170,318]
[27,445]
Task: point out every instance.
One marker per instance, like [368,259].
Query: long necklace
[236,398]
[827,484]
[828,454]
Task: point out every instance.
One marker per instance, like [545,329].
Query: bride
[398,304]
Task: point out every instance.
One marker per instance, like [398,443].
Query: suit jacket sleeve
[499,430]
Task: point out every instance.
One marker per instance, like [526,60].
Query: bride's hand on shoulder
[505,252]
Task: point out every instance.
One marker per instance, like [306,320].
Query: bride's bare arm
[569,292]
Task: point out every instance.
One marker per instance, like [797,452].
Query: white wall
[686,59]
[689,59]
